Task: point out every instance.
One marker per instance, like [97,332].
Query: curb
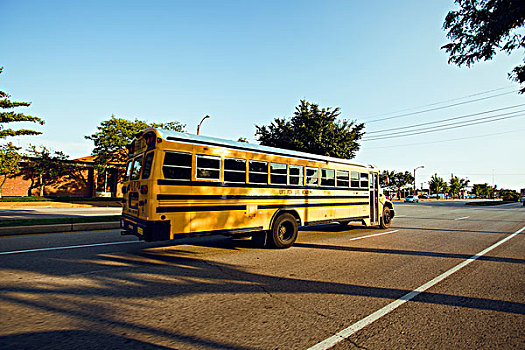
[59,228]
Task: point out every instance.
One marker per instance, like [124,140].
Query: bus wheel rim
[285,231]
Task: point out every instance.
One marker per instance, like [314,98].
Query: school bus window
[343,179]
[148,162]
[296,175]
[235,170]
[128,169]
[135,168]
[208,167]
[327,177]
[258,172]
[364,180]
[355,179]
[177,166]
[312,176]
[278,173]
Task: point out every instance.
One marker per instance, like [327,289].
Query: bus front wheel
[283,232]
[386,219]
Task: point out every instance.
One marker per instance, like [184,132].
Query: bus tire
[283,232]
[386,218]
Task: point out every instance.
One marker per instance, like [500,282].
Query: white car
[412,199]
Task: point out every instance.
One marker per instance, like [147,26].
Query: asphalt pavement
[442,277]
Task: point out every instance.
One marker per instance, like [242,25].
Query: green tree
[456,185]
[396,180]
[385,178]
[314,130]
[10,116]
[480,28]
[9,162]
[479,190]
[483,190]
[45,167]
[115,134]
[437,184]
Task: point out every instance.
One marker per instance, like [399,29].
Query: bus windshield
[135,168]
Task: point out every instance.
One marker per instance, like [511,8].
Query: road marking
[375,234]
[62,248]
[400,216]
[463,218]
[349,331]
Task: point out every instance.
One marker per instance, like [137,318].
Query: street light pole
[199,127]
[421,166]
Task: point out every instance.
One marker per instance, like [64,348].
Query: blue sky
[247,62]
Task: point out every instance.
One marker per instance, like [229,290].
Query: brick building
[81,180]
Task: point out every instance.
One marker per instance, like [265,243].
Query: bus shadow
[408,252]
[75,339]
[143,277]
[445,229]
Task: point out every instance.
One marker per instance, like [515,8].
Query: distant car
[423,196]
[522,199]
[412,199]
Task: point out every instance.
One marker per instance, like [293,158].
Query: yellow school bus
[180,185]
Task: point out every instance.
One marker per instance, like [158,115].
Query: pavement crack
[266,291]
[356,345]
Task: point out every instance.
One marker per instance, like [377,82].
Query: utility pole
[199,127]
[421,166]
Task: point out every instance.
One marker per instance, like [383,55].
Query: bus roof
[213,141]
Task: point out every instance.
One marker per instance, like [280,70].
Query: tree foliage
[9,162]
[115,134]
[45,166]
[396,180]
[480,28]
[11,116]
[314,130]
[456,185]
[437,184]
[483,190]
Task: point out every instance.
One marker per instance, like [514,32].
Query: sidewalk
[60,228]
[57,228]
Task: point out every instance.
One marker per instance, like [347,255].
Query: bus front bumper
[146,230]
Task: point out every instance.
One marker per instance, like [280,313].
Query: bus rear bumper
[146,230]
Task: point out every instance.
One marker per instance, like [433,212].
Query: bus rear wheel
[386,219]
[283,232]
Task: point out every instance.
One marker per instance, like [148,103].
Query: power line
[438,108]
[442,127]
[440,102]
[448,140]
[447,128]
[443,120]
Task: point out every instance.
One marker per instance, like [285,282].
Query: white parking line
[67,247]
[349,331]
[375,234]
[463,218]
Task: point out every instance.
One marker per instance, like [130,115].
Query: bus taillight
[144,189]
[150,140]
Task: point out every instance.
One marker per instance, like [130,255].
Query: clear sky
[247,62]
